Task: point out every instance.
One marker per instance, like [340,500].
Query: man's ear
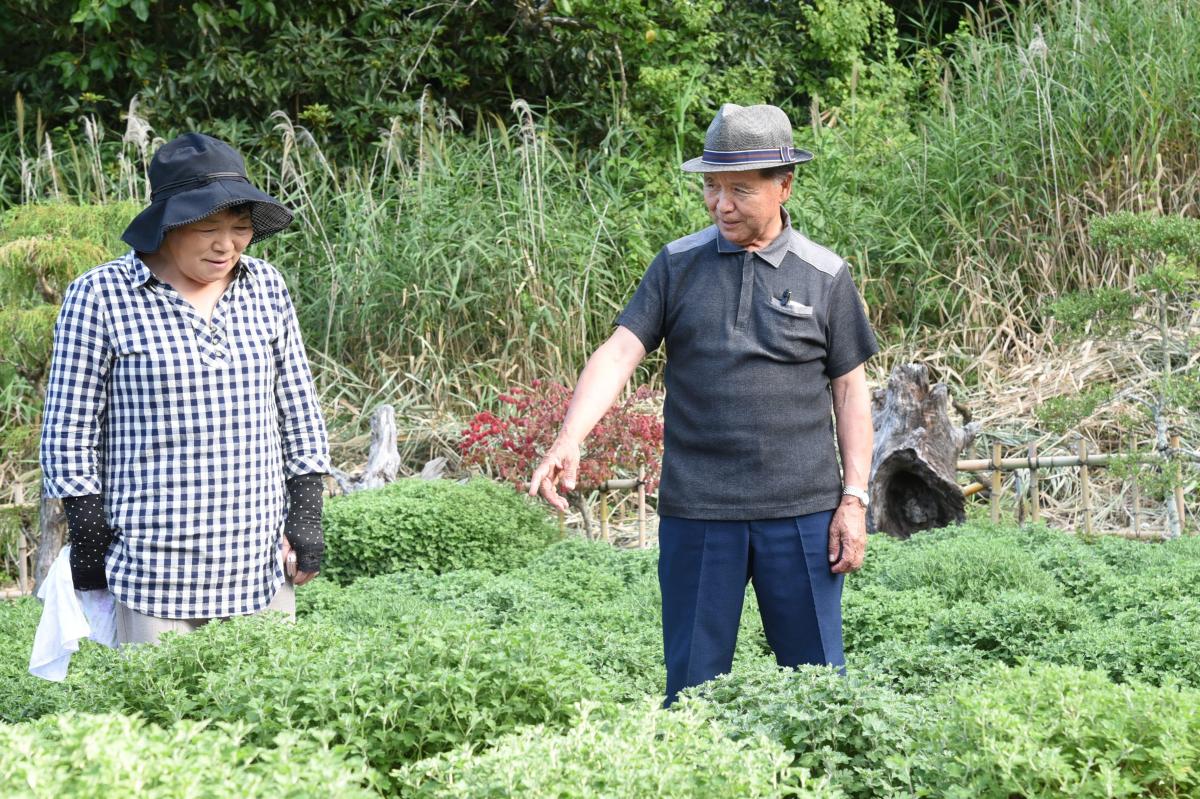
[785,188]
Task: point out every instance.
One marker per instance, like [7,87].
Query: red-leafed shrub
[510,443]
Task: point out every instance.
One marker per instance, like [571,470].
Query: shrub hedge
[643,752]
[435,525]
[102,756]
[471,683]
[1060,731]
[433,681]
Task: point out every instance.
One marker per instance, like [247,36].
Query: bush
[101,225]
[27,337]
[964,563]
[23,696]
[1058,731]
[37,270]
[432,681]
[873,614]
[97,757]
[510,444]
[1141,577]
[42,248]
[588,598]
[641,753]
[918,667]
[859,734]
[1074,564]
[434,525]
[1013,625]
[1152,646]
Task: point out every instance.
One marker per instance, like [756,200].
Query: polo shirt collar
[774,252]
[139,274]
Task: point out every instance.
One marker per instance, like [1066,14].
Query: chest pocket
[789,332]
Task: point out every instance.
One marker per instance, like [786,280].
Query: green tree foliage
[1149,316]
[435,525]
[42,249]
[228,64]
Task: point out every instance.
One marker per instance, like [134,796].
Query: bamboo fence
[997,465]
[1084,461]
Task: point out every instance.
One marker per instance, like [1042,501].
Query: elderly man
[765,336]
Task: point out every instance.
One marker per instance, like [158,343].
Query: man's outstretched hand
[559,467]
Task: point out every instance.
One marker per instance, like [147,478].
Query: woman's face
[207,251]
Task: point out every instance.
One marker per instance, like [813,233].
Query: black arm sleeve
[90,538]
[303,525]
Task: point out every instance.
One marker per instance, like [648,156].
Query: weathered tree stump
[914,483]
[383,459]
[52,534]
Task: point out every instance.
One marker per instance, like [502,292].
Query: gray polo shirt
[753,339]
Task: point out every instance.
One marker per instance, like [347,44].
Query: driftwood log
[914,481]
[383,458]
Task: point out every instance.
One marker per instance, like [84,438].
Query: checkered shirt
[189,429]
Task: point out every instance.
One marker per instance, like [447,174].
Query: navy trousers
[703,569]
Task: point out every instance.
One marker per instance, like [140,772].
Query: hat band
[196,181]
[783,154]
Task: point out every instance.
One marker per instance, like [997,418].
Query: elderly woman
[181,426]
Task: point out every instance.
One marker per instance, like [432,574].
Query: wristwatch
[862,496]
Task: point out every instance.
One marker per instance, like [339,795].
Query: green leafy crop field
[983,661]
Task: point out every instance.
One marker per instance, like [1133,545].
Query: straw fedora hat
[743,138]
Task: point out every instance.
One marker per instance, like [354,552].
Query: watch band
[859,494]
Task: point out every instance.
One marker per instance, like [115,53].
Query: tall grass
[462,262]
[1045,118]
[442,264]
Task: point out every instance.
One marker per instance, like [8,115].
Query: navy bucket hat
[192,177]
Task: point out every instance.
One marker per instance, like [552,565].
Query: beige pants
[138,628]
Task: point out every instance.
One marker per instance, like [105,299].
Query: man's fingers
[835,541]
[860,555]
[551,496]
[541,474]
[570,473]
[535,482]
[852,557]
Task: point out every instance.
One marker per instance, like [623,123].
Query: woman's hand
[303,538]
[289,566]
